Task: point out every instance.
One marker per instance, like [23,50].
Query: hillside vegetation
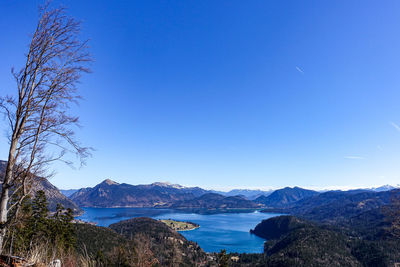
[168,246]
[350,229]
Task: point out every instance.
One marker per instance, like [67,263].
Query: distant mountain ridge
[109,194]
[112,194]
[216,201]
[250,194]
[285,196]
[339,206]
[386,187]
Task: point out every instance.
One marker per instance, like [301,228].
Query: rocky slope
[54,196]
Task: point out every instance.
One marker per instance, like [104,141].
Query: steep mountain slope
[112,194]
[286,196]
[216,201]
[261,199]
[53,195]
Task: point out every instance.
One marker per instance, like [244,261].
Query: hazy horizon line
[261,188]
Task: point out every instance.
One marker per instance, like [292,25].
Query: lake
[228,231]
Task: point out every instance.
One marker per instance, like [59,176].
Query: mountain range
[112,194]
[294,200]
[109,194]
[338,206]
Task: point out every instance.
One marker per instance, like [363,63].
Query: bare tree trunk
[4,198]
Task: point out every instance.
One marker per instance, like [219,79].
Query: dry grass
[44,255]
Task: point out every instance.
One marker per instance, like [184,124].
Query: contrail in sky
[397,127]
[299,70]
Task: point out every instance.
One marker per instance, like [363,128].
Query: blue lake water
[228,231]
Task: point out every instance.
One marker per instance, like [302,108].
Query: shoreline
[180,225]
[185,230]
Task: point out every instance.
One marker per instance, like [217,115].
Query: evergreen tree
[20,233]
[63,233]
[223,259]
[33,226]
[39,222]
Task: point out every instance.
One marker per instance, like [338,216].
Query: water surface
[228,231]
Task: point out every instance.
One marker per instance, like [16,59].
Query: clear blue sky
[225,94]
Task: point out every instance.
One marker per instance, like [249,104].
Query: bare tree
[40,127]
